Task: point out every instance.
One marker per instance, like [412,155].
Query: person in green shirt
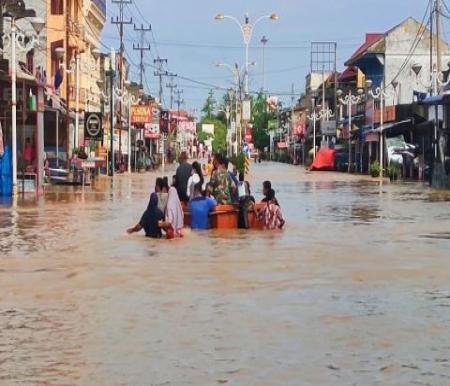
[220,181]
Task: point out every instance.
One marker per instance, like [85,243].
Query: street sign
[328,128]
[93,125]
[247,110]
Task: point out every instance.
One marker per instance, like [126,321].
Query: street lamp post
[381,95]
[247,29]
[72,68]
[18,39]
[227,113]
[318,116]
[350,100]
[235,70]
[121,95]
[264,41]
[115,94]
[130,100]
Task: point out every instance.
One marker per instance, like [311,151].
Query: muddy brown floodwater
[355,290]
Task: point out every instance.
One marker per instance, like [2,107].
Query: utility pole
[179,101]
[172,86]
[141,47]
[323,92]
[120,22]
[292,118]
[159,62]
[438,35]
[112,73]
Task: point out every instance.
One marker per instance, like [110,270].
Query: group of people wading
[165,216]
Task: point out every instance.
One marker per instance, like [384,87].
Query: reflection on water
[354,291]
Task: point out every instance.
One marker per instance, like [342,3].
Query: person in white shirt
[194,179]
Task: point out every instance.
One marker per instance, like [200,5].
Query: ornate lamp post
[350,100]
[236,71]
[318,116]
[381,94]
[247,29]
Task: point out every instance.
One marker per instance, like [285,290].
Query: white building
[388,59]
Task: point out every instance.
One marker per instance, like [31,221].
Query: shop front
[29,131]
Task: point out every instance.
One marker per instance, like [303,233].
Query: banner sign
[247,110]
[187,126]
[151,131]
[93,125]
[141,114]
[328,128]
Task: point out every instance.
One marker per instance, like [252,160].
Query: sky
[186,34]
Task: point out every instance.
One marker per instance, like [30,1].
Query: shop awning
[391,125]
[433,100]
[282,145]
[354,118]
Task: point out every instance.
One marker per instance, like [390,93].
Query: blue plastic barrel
[6,173]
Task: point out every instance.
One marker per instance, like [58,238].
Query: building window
[30,61]
[57,7]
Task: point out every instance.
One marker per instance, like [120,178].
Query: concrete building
[398,61]
[387,60]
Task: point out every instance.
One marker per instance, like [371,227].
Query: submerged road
[355,290]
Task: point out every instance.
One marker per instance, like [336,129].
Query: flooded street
[355,290]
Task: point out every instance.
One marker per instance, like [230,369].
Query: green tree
[203,137]
[219,142]
[210,105]
[261,118]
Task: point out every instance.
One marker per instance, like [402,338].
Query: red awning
[282,145]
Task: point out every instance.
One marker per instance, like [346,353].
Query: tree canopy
[261,117]
[210,105]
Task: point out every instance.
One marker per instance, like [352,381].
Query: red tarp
[325,160]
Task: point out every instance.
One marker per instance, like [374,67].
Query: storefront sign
[151,131]
[328,128]
[372,136]
[389,114]
[300,129]
[88,164]
[93,126]
[141,114]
